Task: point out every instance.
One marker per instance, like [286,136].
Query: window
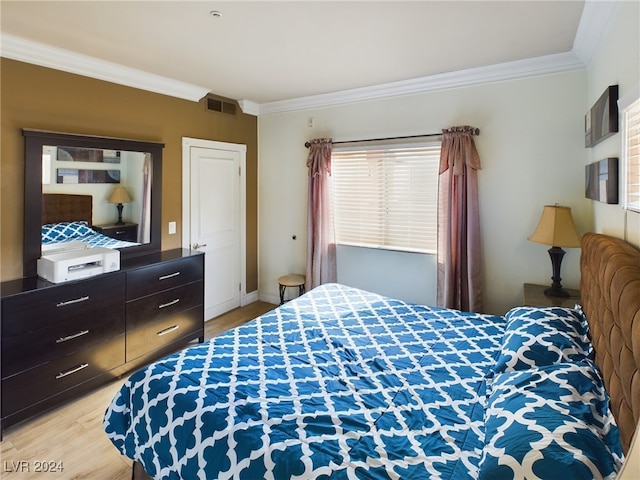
[631,154]
[386,196]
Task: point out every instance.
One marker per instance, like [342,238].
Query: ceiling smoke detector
[215,13]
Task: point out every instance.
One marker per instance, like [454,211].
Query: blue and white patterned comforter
[339,383]
[58,235]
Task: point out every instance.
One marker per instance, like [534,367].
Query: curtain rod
[475,131]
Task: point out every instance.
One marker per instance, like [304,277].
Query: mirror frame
[34,141]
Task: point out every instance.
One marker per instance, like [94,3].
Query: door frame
[187,143]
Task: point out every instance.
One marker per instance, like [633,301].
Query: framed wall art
[601,181]
[602,120]
[75,175]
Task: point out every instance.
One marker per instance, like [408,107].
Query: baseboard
[251,297]
[273,298]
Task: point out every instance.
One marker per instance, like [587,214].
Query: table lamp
[119,196]
[556,228]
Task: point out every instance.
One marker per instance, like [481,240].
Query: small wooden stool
[291,280]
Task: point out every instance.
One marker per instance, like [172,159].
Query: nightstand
[127,232]
[534,297]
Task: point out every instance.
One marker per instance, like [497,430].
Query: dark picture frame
[602,120]
[74,175]
[79,154]
[601,181]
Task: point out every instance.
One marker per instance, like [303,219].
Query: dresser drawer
[62,338]
[163,276]
[163,304]
[42,308]
[127,232]
[163,331]
[30,387]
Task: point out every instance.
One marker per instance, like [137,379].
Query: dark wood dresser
[61,340]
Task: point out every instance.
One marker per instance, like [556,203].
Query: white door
[213,218]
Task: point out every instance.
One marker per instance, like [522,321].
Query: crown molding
[17,48]
[596,20]
[249,107]
[545,65]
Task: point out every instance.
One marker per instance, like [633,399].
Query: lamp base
[556,292]
[119,207]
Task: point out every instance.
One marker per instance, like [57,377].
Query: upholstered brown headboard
[610,296]
[62,207]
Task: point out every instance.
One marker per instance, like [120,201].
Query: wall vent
[215,104]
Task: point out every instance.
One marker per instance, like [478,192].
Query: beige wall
[532,152]
[616,62]
[41,98]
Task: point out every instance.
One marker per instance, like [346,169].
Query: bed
[66,223]
[342,383]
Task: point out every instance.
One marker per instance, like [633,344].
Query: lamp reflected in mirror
[119,196]
[556,228]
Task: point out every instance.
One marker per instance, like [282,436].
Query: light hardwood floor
[70,439]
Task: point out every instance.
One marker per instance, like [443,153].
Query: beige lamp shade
[119,195]
[556,228]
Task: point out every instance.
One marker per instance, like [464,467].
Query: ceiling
[272,51]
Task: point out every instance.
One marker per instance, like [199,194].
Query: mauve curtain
[459,262]
[321,247]
[144,222]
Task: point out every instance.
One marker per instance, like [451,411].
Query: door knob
[196,246]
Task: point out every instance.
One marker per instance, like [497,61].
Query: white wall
[409,276]
[532,151]
[616,62]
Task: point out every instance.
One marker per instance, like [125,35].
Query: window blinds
[631,120]
[386,196]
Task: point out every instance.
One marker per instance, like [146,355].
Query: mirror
[111,185]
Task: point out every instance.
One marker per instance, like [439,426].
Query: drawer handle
[168,304]
[82,366]
[71,302]
[171,275]
[168,330]
[71,337]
